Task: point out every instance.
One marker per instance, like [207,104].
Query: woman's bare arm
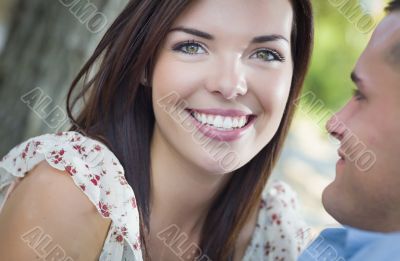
[48,216]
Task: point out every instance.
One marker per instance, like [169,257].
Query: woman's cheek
[274,95]
[179,77]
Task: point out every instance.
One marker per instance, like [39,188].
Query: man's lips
[341,154]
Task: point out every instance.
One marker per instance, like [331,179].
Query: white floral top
[279,233]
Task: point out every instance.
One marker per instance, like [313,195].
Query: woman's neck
[181,193]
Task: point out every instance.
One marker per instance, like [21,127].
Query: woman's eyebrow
[255,40]
[193,32]
[269,38]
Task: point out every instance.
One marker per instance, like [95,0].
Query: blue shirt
[350,244]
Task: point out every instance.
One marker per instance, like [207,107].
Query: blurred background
[43,44]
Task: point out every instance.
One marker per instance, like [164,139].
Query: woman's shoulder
[94,169]
[47,204]
[91,164]
[280,232]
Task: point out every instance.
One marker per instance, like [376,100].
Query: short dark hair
[394,5]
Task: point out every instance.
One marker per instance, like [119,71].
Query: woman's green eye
[269,56]
[191,48]
[265,56]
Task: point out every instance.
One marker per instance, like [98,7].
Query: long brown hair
[118,110]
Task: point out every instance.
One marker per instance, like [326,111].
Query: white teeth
[227,123]
[218,122]
[242,121]
[221,122]
[210,119]
[235,122]
[203,118]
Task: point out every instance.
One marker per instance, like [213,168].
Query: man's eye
[268,55]
[190,48]
[358,95]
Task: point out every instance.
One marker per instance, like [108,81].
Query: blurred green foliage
[338,44]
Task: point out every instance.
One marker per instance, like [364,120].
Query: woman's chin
[216,167]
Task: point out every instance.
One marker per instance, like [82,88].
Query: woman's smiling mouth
[220,124]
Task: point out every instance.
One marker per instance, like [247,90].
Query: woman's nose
[229,79]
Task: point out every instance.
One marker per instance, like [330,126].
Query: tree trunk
[47,44]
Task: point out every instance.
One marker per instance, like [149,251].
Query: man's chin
[331,202]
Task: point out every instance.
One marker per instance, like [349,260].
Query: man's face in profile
[370,198]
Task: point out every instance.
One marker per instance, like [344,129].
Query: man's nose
[229,78]
[336,127]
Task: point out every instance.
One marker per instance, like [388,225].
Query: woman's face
[222,79]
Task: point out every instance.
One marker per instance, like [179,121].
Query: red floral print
[278,235]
